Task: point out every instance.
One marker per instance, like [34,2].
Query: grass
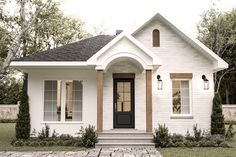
[7,133]
[201,152]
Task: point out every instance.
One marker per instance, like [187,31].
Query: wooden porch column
[148,100]
[99,100]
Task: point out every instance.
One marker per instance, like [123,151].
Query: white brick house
[111,81]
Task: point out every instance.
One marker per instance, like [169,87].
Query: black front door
[123,103]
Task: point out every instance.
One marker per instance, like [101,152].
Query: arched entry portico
[125,49]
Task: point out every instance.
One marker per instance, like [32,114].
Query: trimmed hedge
[8,120]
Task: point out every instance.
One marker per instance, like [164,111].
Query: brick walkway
[104,152]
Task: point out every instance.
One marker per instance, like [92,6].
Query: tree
[37,26]
[10,90]
[217,118]
[23,118]
[217,30]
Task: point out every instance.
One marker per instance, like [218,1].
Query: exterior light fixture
[205,82]
[159,82]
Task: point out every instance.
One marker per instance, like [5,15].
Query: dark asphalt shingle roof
[77,51]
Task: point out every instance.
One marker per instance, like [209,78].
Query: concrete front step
[124,137]
[129,139]
[122,145]
[125,134]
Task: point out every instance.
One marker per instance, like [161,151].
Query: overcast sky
[128,14]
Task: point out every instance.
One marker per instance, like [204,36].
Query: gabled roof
[77,51]
[219,63]
[155,59]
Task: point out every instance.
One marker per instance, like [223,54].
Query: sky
[127,15]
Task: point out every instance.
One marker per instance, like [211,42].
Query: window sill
[54,122]
[181,116]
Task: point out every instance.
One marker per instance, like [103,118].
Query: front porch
[129,116]
[124,85]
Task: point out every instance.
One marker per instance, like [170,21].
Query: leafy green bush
[208,144]
[88,136]
[8,120]
[161,136]
[230,131]
[188,137]
[218,138]
[177,138]
[225,145]
[44,133]
[197,133]
[190,144]
[65,137]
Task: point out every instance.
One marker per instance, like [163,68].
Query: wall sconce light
[159,82]
[205,82]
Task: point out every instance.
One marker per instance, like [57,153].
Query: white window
[53,100]
[180,97]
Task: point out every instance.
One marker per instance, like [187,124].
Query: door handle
[115,107]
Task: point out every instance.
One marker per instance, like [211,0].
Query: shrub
[44,132]
[47,130]
[188,137]
[197,133]
[177,138]
[65,137]
[88,136]
[34,143]
[8,120]
[42,135]
[161,136]
[190,144]
[225,145]
[18,143]
[217,117]
[230,131]
[54,134]
[23,118]
[218,138]
[207,144]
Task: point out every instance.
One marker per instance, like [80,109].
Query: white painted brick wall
[178,57]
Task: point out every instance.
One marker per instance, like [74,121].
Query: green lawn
[201,152]
[7,133]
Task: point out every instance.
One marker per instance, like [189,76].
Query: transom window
[53,100]
[180,97]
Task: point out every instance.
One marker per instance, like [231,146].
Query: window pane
[127,107]
[120,97]
[52,102]
[127,86]
[185,97]
[119,107]
[73,108]
[180,96]
[126,96]
[120,86]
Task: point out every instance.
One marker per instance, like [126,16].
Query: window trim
[182,116]
[63,100]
